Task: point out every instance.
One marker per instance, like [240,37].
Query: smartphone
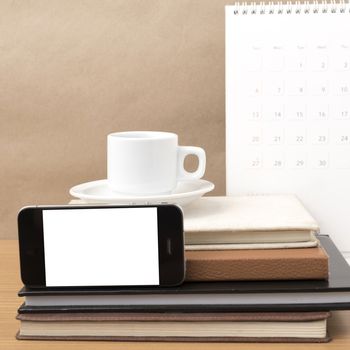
[85,246]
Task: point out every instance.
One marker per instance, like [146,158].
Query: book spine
[201,269]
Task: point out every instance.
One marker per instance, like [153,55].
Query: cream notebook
[247,222]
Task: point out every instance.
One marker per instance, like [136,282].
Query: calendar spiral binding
[306,7]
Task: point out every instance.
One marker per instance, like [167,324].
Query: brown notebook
[258,264]
[200,327]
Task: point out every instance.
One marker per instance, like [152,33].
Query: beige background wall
[73,71]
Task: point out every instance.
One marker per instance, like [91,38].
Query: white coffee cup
[149,162]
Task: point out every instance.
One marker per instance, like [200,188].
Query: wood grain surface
[9,302]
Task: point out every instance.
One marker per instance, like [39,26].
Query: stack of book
[252,238]
[256,271]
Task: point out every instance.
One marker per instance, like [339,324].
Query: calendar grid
[288,106]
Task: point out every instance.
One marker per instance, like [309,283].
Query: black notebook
[333,294]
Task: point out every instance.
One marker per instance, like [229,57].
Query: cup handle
[183,152]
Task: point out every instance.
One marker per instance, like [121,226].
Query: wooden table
[10,283]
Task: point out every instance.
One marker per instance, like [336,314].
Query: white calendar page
[288,108]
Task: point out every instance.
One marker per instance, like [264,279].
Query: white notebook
[247,222]
[288,107]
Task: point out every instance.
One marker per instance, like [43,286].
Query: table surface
[339,324]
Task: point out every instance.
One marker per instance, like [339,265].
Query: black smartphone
[109,245]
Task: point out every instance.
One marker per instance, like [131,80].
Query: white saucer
[99,192]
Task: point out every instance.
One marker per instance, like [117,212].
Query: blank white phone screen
[101,247]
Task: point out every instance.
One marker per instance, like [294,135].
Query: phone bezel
[31,243]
